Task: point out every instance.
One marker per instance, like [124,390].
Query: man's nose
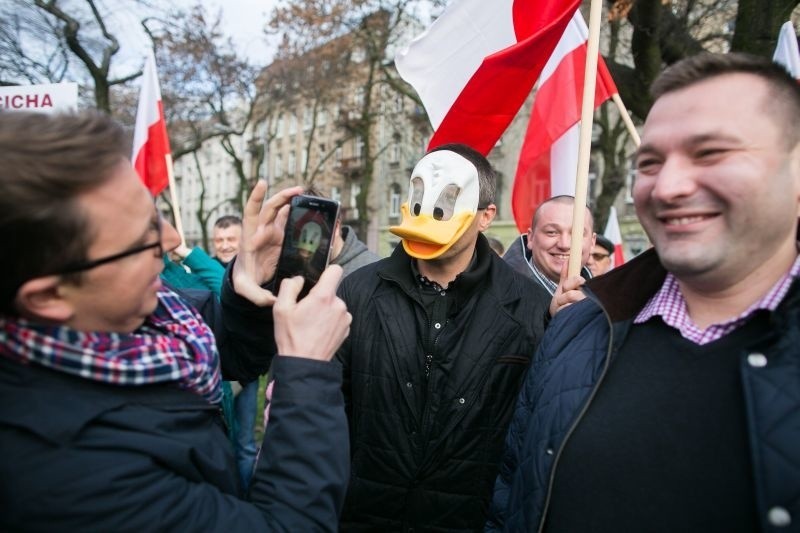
[170,238]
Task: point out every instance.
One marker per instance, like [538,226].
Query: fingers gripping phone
[307,240]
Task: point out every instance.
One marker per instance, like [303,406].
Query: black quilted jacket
[425,452]
[558,390]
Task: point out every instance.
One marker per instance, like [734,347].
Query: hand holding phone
[307,240]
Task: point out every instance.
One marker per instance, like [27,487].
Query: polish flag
[548,161]
[787,53]
[150,141]
[476,64]
[613,234]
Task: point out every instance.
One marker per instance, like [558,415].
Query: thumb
[564,274]
[288,291]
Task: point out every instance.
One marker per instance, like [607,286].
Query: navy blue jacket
[571,362]
[77,455]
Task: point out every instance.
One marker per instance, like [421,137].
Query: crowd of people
[447,387]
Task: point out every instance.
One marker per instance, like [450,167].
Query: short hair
[487,177]
[227,221]
[784,89]
[603,242]
[560,199]
[46,163]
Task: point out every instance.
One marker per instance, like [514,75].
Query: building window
[278,166]
[358,98]
[394,200]
[629,179]
[279,127]
[322,117]
[355,190]
[398,103]
[358,150]
[336,194]
[394,152]
[292,124]
[307,118]
[303,160]
[291,165]
[337,156]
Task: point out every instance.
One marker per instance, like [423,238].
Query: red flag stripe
[150,140]
[495,92]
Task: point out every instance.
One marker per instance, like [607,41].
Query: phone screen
[307,240]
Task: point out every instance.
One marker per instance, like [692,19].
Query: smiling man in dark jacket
[669,399]
[442,335]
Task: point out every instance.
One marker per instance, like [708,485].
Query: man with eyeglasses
[110,382]
[601,260]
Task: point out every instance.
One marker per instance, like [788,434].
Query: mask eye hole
[446,203]
[417,192]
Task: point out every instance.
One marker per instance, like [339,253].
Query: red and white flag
[548,161]
[613,234]
[786,52]
[476,64]
[150,140]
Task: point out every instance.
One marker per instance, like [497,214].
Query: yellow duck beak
[424,237]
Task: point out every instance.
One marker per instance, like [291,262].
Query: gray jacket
[355,253]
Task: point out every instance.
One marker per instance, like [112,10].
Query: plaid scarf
[174,345]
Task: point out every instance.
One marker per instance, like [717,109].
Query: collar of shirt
[670,305]
[425,283]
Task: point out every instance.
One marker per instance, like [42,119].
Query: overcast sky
[243,21]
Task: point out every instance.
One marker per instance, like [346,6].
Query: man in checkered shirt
[669,398]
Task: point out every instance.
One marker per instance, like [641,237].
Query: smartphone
[307,240]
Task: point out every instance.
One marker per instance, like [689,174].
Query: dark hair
[227,221]
[46,163]
[784,102]
[560,199]
[603,242]
[487,178]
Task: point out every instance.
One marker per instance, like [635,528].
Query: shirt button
[443,293]
[549,451]
[461,400]
[757,360]
[409,384]
[437,326]
[779,517]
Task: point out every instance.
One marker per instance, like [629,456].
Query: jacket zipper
[579,417]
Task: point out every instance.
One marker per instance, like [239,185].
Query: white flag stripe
[440,82]
[786,52]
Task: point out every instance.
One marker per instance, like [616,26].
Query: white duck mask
[442,203]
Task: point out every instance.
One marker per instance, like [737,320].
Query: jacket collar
[644,272]
[398,269]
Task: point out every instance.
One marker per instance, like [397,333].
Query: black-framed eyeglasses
[88,265]
[600,257]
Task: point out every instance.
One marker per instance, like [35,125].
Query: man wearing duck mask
[442,334]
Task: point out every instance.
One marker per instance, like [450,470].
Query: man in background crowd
[226,237]
[543,252]
[601,260]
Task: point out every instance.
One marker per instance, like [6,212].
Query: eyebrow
[650,149]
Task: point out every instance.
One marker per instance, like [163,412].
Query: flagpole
[585,142]
[173,196]
[626,118]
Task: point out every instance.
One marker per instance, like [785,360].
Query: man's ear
[486,216]
[41,299]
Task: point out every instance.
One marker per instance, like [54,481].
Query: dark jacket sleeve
[303,469]
[131,470]
[245,335]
